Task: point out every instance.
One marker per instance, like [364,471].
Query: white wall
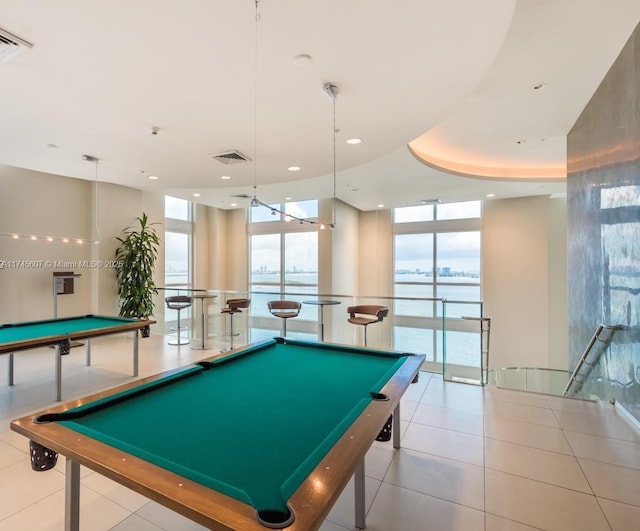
[523,284]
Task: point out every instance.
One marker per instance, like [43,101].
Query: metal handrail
[583,359]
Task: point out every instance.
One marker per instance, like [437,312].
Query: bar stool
[366,314]
[178,303]
[284,310]
[234,306]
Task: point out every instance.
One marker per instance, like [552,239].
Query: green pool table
[266,436]
[60,333]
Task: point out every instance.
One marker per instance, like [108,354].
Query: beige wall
[203,238]
[62,206]
[343,248]
[375,248]
[524,257]
[558,352]
[217,264]
[325,249]
[118,206]
[48,205]
[524,281]
[236,253]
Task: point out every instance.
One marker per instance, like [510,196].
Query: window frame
[181,226]
[433,320]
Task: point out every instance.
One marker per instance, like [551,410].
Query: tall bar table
[321,303]
[203,324]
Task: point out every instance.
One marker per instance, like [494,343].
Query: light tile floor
[473,459]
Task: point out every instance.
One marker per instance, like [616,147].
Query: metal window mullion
[283,238]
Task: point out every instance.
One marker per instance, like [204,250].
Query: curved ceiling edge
[498,173]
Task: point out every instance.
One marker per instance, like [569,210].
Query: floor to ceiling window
[283,260]
[436,256]
[178,236]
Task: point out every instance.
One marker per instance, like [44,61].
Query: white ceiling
[452,78]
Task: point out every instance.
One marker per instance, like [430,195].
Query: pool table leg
[72,496]
[87,353]
[396,426]
[10,369]
[58,373]
[135,353]
[358,479]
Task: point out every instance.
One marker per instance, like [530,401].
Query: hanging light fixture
[254,200]
[90,158]
[332,92]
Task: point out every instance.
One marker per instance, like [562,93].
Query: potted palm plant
[135,259]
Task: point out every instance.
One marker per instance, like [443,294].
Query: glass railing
[453,334]
[465,337]
[445,331]
[611,372]
[532,379]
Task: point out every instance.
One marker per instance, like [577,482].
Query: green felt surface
[55,327]
[253,427]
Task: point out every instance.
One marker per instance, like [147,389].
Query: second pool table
[60,332]
[266,436]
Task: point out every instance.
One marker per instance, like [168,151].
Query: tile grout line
[586,477]
[484,465]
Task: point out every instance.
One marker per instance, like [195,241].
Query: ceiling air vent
[230,157]
[11,46]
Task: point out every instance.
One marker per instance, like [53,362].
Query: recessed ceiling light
[52,146]
[196,194]
[491,195]
[294,168]
[354,141]
[302,60]
[539,86]
[288,198]
[380,206]
[234,204]
[225,177]
[153,177]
